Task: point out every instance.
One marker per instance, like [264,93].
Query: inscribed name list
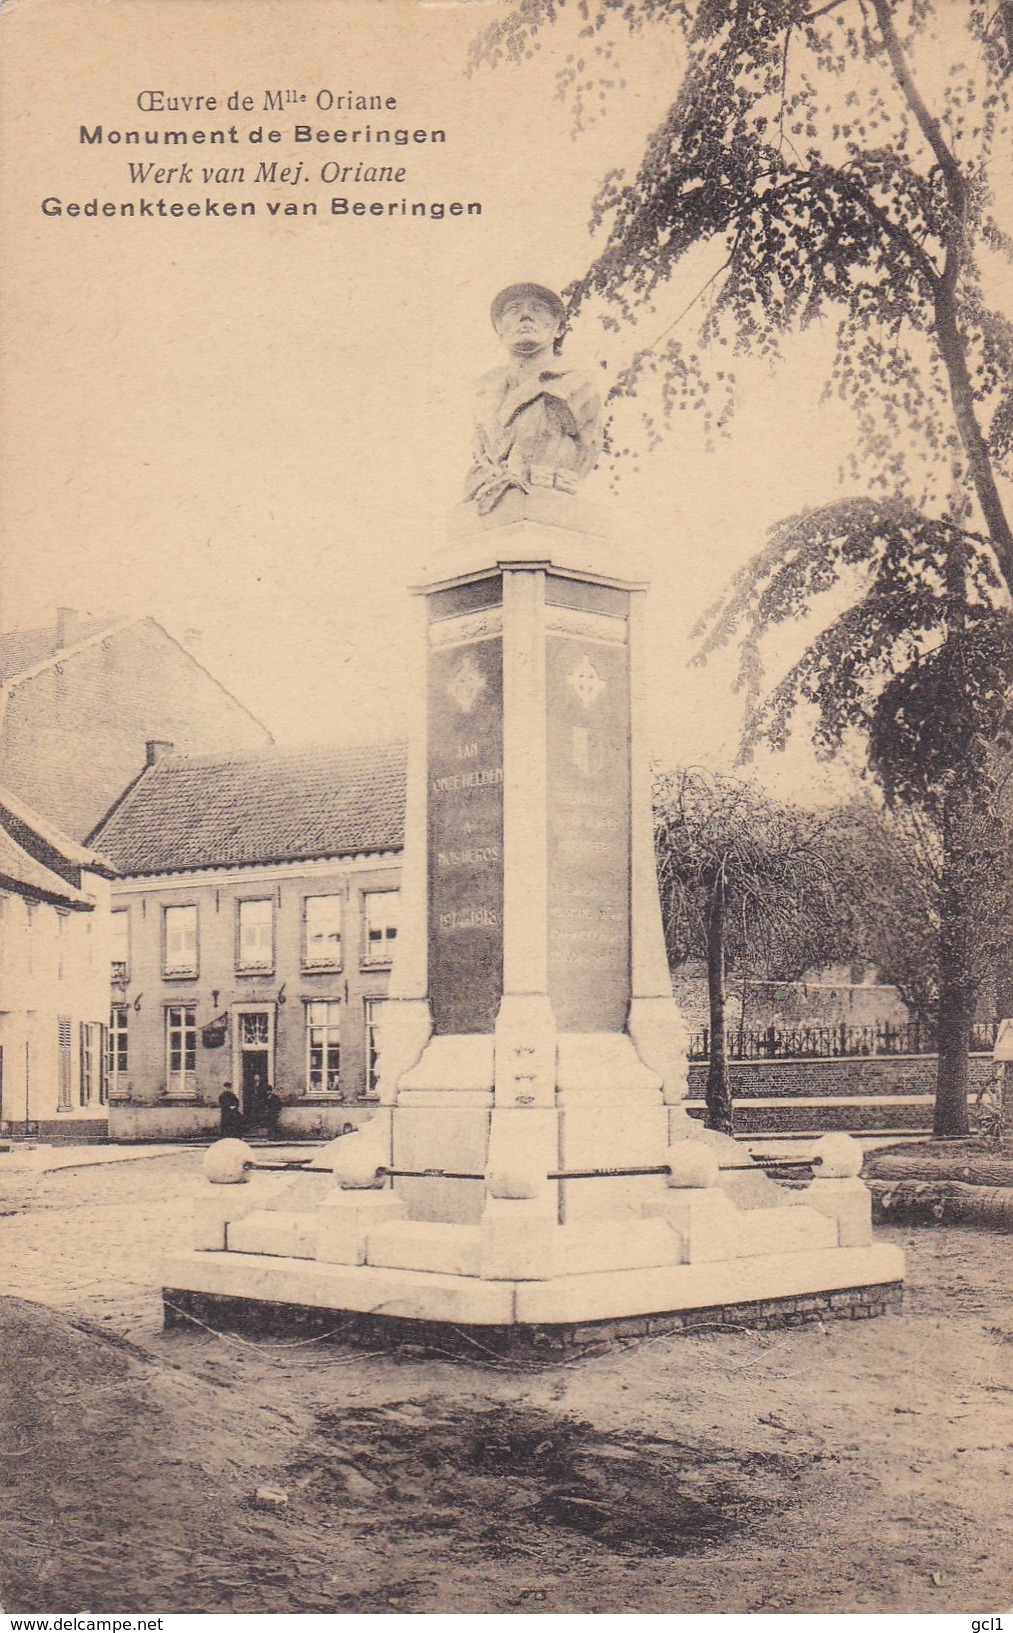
[588,700]
[466,836]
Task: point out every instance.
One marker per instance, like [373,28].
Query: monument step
[427,1296]
[576,1249]
[456,1250]
[421,1244]
[632,1244]
[282,1235]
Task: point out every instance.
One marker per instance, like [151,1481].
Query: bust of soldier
[536,422]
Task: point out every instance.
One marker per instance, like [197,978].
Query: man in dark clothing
[232,1122]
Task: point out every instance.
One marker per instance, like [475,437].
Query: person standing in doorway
[232,1122]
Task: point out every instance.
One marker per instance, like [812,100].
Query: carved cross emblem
[467,684]
[585,681]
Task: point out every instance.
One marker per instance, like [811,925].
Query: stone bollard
[226,1163]
[695,1206]
[840,1156]
[356,1159]
[362,1198]
[692,1165]
[518,1230]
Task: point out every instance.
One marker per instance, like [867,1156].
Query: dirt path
[860,1466]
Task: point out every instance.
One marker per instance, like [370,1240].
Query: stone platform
[539,1342]
[708,1238]
[837,1280]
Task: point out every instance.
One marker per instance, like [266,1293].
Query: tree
[896,854]
[920,666]
[897,857]
[822,199]
[742,875]
[864,198]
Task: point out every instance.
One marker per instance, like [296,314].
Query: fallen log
[972,1169]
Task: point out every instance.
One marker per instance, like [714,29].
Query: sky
[254,429]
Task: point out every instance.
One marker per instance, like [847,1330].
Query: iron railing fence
[832,1042]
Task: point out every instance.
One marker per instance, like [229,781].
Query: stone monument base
[456,1315]
[714,1235]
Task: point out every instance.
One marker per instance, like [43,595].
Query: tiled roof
[277,806]
[24,649]
[27,877]
[47,844]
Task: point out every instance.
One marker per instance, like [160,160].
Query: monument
[536,424]
[531,1167]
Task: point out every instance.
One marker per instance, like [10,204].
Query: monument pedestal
[542,927]
[532,1059]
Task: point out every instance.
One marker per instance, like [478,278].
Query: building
[54,979]
[80,698]
[254,923]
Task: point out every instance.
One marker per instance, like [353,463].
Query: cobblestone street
[89,1239]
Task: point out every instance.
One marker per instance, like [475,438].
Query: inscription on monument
[465,835]
[589,837]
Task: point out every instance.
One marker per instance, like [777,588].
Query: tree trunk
[960,1164]
[719,1099]
[946,1202]
[954,1028]
[956,987]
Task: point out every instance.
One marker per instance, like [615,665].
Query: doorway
[255,1069]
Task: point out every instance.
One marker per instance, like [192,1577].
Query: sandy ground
[857,1466]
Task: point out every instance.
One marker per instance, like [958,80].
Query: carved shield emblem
[467,684]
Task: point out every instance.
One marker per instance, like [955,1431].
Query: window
[181,1048]
[380,914]
[323,1047]
[100,1045]
[92,1084]
[63,1063]
[117,1063]
[120,951]
[255,1030]
[322,933]
[255,940]
[373,1009]
[180,956]
[87,1064]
